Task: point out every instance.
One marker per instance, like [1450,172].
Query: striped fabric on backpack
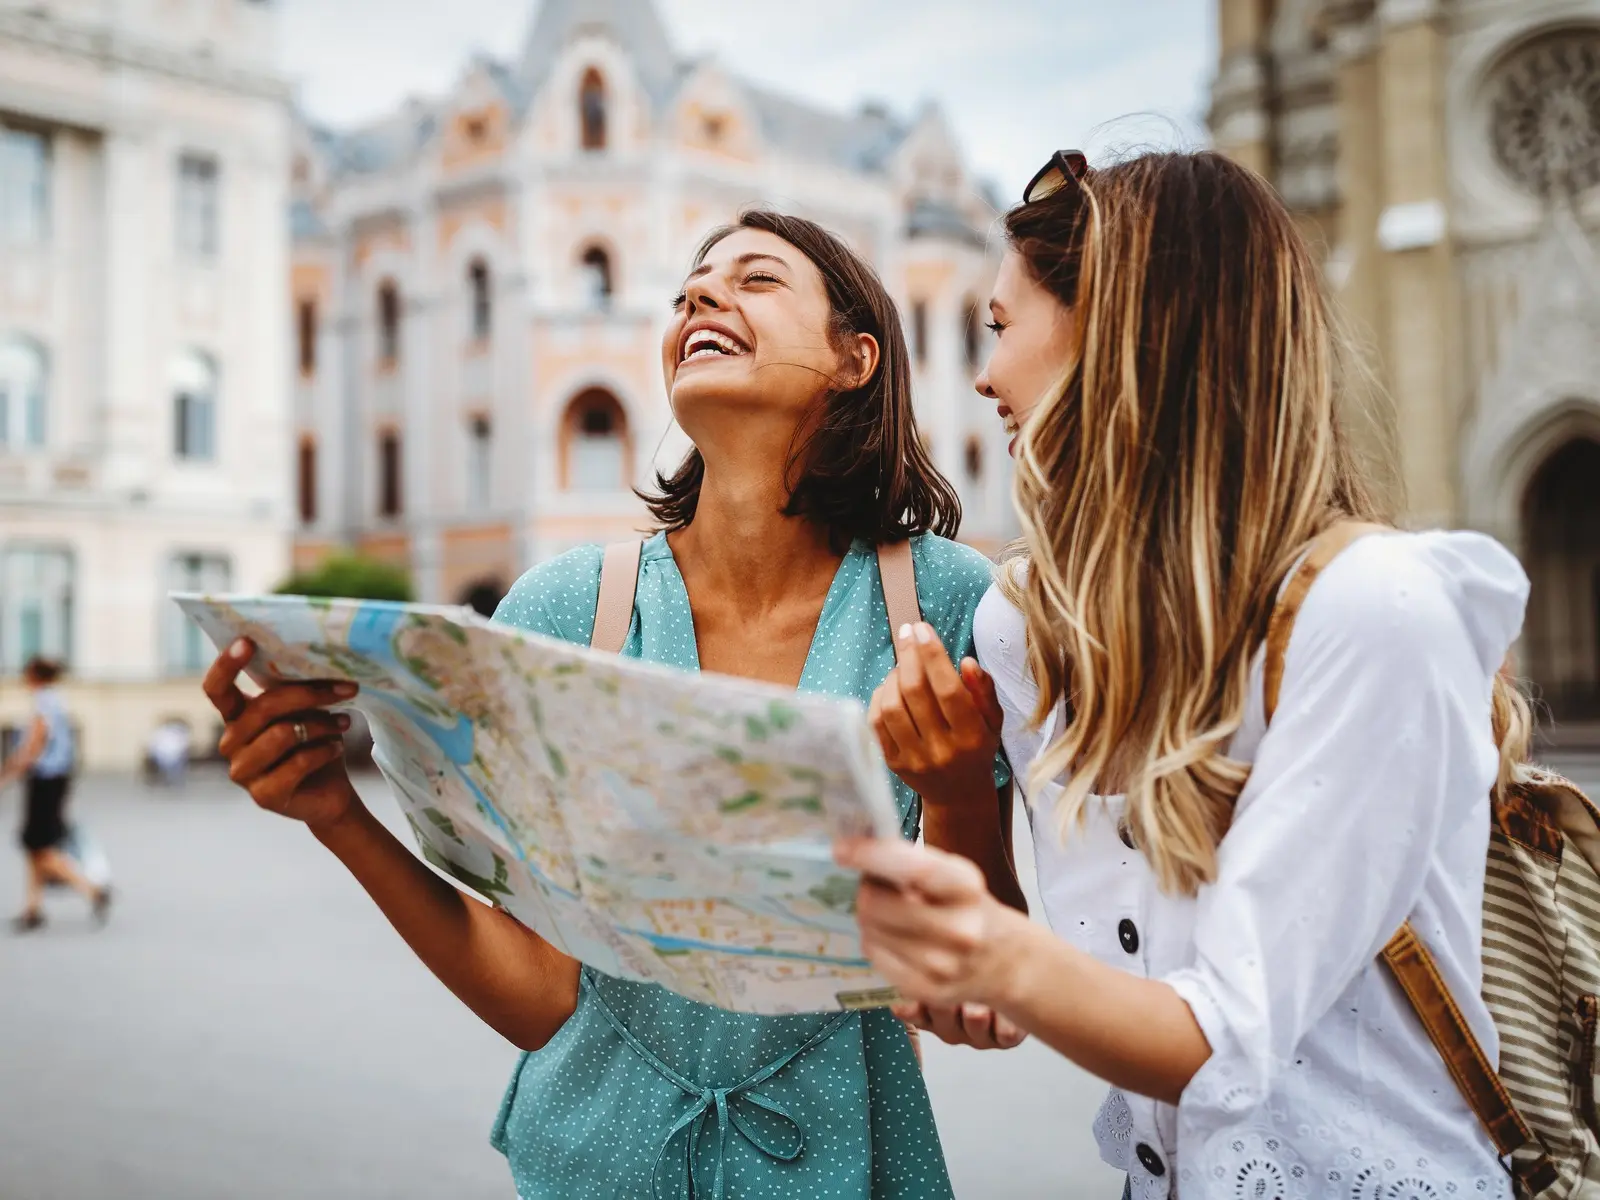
[1541,972]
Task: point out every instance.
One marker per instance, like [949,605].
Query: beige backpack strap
[899,576]
[1417,973]
[1407,958]
[613,612]
[1325,547]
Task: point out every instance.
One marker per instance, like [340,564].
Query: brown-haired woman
[787,368]
[1219,888]
[45,758]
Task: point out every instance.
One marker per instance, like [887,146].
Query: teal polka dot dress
[643,1093]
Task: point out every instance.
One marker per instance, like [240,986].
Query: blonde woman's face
[1032,329]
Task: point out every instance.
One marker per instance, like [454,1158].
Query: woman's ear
[860,361]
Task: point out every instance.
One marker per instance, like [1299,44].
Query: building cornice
[1395,13]
[104,48]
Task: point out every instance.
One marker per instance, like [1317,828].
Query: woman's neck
[741,544]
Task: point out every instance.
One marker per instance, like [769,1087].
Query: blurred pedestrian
[45,759]
[167,753]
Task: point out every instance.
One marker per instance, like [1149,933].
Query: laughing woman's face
[750,337]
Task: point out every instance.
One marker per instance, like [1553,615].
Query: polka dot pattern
[591,1114]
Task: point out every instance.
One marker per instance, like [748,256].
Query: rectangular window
[308,337]
[24,186]
[308,481]
[480,444]
[195,434]
[188,651]
[36,599]
[197,206]
[389,497]
[919,331]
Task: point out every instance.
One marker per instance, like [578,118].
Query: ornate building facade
[481,282]
[1445,157]
[144,396]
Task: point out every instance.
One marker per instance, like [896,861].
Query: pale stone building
[1445,156]
[144,391]
[481,281]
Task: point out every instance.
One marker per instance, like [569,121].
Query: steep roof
[859,141]
[635,24]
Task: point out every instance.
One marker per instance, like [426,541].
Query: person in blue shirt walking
[787,367]
[46,757]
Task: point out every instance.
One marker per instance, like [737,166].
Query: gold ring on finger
[300,733]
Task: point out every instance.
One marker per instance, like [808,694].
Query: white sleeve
[999,636]
[1382,735]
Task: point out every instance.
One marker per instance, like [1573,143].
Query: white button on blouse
[1367,804]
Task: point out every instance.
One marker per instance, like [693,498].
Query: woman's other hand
[283,746]
[939,726]
[974,1025]
[930,926]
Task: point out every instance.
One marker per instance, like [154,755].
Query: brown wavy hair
[859,468]
[1191,449]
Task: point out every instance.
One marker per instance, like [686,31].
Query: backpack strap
[1405,954]
[619,580]
[899,576]
[613,611]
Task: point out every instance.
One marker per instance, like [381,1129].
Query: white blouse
[1367,804]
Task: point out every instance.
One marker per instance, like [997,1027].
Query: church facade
[1444,156]
[481,281]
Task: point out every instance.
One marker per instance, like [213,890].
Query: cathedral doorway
[1561,552]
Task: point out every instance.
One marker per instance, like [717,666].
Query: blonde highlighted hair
[1167,484]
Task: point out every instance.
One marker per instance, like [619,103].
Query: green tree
[351,576]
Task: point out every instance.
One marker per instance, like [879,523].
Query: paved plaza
[248,1028]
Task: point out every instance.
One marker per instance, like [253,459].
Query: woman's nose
[981,385]
[700,294]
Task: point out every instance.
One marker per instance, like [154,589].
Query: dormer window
[715,125]
[592,110]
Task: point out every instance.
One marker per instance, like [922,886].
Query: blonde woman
[1218,889]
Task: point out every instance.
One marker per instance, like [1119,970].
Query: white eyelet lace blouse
[1367,804]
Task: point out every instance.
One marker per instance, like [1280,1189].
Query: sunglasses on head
[1065,167]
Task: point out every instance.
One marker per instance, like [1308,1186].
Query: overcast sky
[1018,78]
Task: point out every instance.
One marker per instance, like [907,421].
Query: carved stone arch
[1559,543]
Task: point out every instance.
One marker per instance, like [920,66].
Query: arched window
[594,440]
[308,480]
[597,280]
[389,495]
[592,110]
[388,323]
[972,334]
[24,391]
[482,303]
[484,596]
[194,407]
[307,321]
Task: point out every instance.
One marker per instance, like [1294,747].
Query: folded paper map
[658,825]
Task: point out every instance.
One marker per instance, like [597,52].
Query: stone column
[1419,336]
[1239,122]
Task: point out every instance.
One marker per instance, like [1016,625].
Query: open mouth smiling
[709,341]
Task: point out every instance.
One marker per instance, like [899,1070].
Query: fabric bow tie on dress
[718,1112]
[785,1143]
